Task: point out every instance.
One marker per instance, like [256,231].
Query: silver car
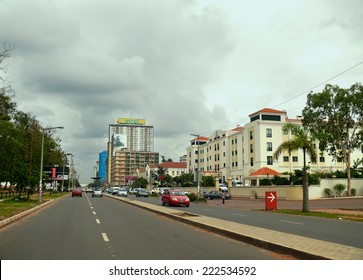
[97,192]
[122,192]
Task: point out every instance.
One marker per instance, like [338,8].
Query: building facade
[130,146]
[240,152]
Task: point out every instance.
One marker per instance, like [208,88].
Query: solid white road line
[98,221]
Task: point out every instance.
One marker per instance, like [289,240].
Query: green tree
[335,117]
[207,181]
[300,140]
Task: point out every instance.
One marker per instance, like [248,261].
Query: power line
[292,98]
[322,83]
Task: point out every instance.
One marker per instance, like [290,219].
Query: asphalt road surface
[333,230]
[90,228]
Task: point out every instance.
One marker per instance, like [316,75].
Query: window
[251,148]
[286,159]
[322,159]
[251,161]
[269,146]
[269,132]
[251,135]
[269,160]
[295,159]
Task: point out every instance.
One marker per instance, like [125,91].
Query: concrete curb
[298,246]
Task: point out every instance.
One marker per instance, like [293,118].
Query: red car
[175,197]
[76,192]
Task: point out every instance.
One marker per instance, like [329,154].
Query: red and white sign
[270,201]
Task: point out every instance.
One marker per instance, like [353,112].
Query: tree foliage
[300,140]
[335,117]
[20,141]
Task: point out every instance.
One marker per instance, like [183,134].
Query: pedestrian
[223,196]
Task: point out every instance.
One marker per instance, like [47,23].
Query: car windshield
[97,189]
[177,193]
[123,189]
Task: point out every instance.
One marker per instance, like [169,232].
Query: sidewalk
[344,205]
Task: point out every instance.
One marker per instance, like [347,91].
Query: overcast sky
[187,66]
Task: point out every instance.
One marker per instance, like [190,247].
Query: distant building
[102,166]
[130,146]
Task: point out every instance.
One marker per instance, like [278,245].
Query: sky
[186,66]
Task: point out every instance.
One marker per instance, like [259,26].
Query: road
[337,231]
[90,228]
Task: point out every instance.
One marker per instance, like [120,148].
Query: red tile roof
[269,110]
[265,171]
[169,164]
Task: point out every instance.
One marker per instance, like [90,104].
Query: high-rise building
[102,163]
[130,146]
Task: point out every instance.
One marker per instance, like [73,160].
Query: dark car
[216,194]
[142,193]
[175,197]
[76,192]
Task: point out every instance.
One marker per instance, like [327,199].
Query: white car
[122,192]
[223,188]
[97,192]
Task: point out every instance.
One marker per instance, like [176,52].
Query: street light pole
[198,185]
[41,160]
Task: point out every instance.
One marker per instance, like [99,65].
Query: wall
[287,192]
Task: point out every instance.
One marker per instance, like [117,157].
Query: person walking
[223,197]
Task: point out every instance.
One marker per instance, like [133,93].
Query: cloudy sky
[187,66]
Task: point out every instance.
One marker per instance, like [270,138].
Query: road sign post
[270,201]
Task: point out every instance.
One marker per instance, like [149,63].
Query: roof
[169,164]
[201,138]
[269,110]
[265,171]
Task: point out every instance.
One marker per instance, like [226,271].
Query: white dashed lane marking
[105,238]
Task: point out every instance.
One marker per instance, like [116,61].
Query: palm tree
[300,140]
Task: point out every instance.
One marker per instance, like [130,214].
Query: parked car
[97,192]
[175,197]
[223,187]
[216,194]
[142,193]
[76,192]
[115,190]
[122,192]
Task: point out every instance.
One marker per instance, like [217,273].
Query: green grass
[344,216]
[15,205]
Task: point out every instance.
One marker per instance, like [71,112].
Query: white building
[239,152]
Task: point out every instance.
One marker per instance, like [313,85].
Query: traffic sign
[270,201]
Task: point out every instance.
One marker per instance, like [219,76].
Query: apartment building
[130,146]
[240,152]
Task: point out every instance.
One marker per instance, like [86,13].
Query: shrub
[195,198]
[265,182]
[353,191]
[281,181]
[327,191]
[339,188]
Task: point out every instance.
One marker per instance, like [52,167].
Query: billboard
[119,142]
[56,172]
[131,121]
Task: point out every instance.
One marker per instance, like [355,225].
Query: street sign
[270,201]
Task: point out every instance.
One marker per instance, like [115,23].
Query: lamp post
[41,159]
[198,185]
